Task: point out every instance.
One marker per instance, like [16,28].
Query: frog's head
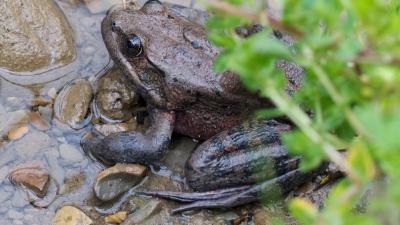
[157,47]
[129,37]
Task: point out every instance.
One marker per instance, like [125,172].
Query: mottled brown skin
[172,70]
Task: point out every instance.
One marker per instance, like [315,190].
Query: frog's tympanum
[169,60]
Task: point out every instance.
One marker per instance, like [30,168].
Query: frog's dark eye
[134,45]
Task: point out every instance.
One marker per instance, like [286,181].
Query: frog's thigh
[242,155]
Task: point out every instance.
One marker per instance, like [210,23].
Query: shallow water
[59,150]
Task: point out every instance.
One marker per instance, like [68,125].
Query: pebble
[19,199]
[72,104]
[46,113]
[98,6]
[69,215]
[31,175]
[70,153]
[3,174]
[26,150]
[52,93]
[89,51]
[13,214]
[152,207]
[116,218]
[10,120]
[17,133]
[4,195]
[107,129]
[116,180]
[38,122]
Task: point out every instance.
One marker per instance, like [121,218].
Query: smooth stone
[38,122]
[144,212]
[10,120]
[17,133]
[32,176]
[5,195]
[116,98]
[46,113]
[98,6]
[116,218]
[35,35]
[69,215]
[24,147]
[107,129]
[70,153]
[19,199]
[3,174]
[13,214]
[72,103]
[116,180]
[57,171]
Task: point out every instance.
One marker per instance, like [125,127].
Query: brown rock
[34,35]
[17,133]
[116,218]
[116,180]
[107,129]
[31,175]
[38,122]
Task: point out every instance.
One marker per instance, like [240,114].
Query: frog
[169,60]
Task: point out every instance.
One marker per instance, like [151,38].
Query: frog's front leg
[239,166]
[133,147]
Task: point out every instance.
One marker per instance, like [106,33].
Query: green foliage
[351,53]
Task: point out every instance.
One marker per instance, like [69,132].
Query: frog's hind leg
[267,191]
[132,146]
[239,166]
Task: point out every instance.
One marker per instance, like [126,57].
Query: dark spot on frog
[195,44]
[175,79]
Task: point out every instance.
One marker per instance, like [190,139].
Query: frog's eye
[134,46]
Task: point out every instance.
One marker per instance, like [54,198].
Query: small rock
[40,101]
[9,120]
[72,104]
[89,50]
[116,218]
[98,6]
[107,129]
[26,149]
[152,207]
[116,180]
[17,133]
[52,93]
[3,174]
[73,183]
[69,215]
[5,195]
[19,199]
[70,153]
[46,113]
[38,122]
[31,175]
[13,214]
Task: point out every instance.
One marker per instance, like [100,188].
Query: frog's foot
[133,147]
[268,191]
